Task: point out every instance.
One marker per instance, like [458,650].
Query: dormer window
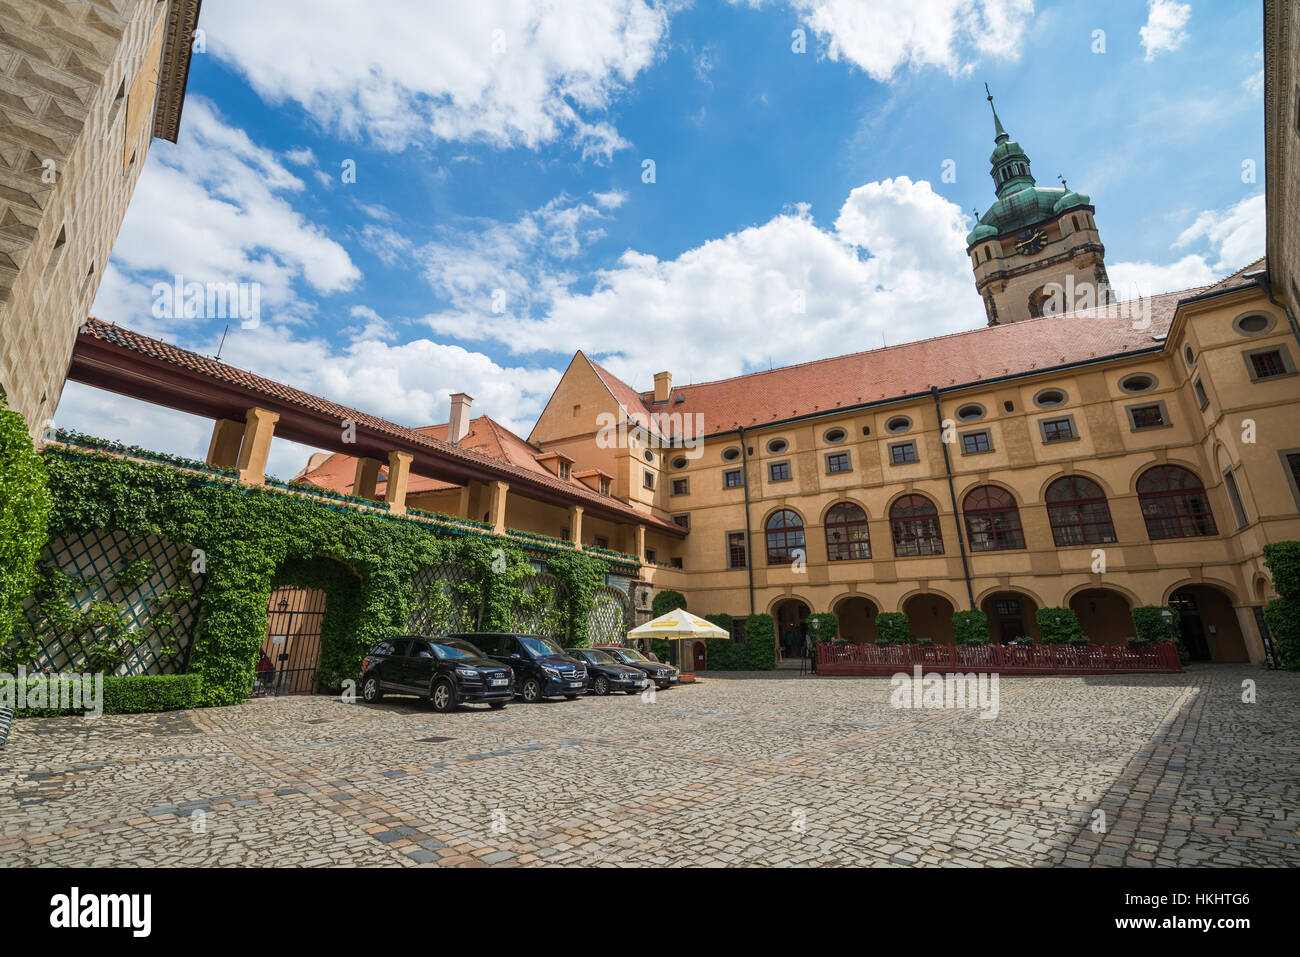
[564,470]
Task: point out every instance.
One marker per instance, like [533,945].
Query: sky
[439,197]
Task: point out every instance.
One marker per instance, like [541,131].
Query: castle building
[84,89]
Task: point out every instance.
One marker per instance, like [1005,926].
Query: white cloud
[611,200]
[893,268]
[215,208]
[1164,31]
[883,36]
[506,72]
[1226,239]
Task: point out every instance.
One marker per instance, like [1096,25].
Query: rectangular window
[1291,463]
[735,549]
[1058,430]
[1150,416]
[901,453]
[564,470]
[976,443]
[732,479]
[683,520]
[779,471]
[738,630]
[837,462]
[1234,496]
[651,555]
[1266,365]
[601,541]
[648,480]
[1202,399]
[681,486]
[675,562]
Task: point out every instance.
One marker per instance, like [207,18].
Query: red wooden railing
[1004,659]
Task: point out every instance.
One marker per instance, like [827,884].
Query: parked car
[446,672]
[542,668]
[664,676]
[608,673]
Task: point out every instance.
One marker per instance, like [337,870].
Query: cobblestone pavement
[735,770]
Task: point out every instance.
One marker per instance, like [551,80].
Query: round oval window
[1138,383]
[679,462]
[777,446]
[1049,397]
[731,454]
[835,435]
[969,413]
[899,423]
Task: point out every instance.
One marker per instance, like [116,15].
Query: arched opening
[1208,624]
[992,520]
[846,533]
[789,617]
[914,524]
[311,620]
[929,616]
[1078,512]
[857,619]
[1011,616]
[1104,615]
[785,538]
[1174,503]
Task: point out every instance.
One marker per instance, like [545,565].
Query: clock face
[1031,241]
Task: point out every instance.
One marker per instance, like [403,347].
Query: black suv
[664,676]
[608,673]
[542,668]
[444,671]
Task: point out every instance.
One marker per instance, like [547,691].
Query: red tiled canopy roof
[97,361]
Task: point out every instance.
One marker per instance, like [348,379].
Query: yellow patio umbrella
[678,625]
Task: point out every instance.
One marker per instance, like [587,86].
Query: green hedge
[1282,559]
[722,620]
[893,628]
[135,694]
[1051,633]
[828,626]
[666,601]
[970,627]
[1282,615]
[24,513]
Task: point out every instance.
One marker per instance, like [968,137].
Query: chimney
[663,386]
[458,426]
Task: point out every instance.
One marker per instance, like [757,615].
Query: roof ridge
[1077,313]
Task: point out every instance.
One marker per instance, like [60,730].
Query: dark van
[542,668]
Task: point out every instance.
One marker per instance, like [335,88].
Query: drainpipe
[1265,285]
[749,538]
[952,494]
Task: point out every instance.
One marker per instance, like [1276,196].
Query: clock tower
[1036,250]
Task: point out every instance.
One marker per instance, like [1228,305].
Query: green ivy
[1282,559]
[253,539]
[24,514]
[1282,615]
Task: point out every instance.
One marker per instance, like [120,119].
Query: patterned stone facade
[80,104]
[1282,147]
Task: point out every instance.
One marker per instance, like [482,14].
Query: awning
[679,623]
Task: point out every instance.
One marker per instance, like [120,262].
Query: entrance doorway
[1011,617]
[291,651]
[787,615]
[930,616]
[1104,616]
[857,620]
[1208,624]
[700,656]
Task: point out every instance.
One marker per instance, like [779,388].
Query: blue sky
[499,220]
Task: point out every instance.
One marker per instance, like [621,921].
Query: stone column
[575,525]
[259,427]
[497,506]
[399,472]
[223,450]
[639,538]
[366,478]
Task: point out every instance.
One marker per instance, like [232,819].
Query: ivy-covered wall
[24,509]
[247,540]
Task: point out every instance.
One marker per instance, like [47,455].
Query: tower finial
[1000,133]
[1064,184]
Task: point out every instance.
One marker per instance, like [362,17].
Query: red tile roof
[507,466]
[909,369]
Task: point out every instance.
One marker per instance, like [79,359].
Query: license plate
[500,681]
[575,684]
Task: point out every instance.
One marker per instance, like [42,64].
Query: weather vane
[1061,177]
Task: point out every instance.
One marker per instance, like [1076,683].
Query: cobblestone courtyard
[764,770]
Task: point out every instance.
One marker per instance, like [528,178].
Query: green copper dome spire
[1010,164]
[997,123]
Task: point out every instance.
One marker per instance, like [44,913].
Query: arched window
[1173,503]
[992,520]
[1078,512]
[784,537]
[914,523]
[846,533]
